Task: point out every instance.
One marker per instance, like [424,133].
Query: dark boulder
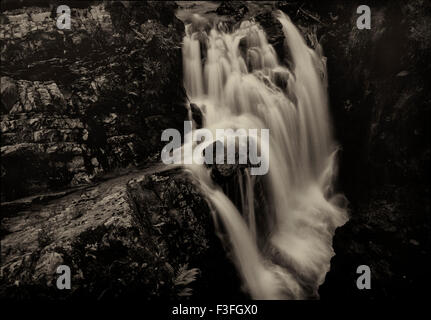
[235,9]
[197,115]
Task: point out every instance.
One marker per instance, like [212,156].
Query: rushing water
[282,250]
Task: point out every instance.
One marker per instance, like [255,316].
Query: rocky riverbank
[145,234]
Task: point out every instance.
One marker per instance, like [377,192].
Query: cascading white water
[243,85]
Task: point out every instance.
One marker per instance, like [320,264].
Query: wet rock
[236,9]
[225,170]
[221,170]
[273,30]
[197,115]
[135,234]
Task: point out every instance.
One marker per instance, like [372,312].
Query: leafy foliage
[183,278]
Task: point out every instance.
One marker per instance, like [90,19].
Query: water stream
[282,249]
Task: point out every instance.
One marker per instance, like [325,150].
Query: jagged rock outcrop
[143,234]
[81,102]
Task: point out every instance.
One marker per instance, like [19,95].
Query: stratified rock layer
[82,102]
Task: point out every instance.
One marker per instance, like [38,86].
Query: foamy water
[242,84]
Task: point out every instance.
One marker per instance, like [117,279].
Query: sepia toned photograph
[214,154]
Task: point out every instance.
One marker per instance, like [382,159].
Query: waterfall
[242,84]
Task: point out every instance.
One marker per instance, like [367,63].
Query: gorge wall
[380,101]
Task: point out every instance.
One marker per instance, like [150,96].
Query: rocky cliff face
[380,101]
[82,102]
